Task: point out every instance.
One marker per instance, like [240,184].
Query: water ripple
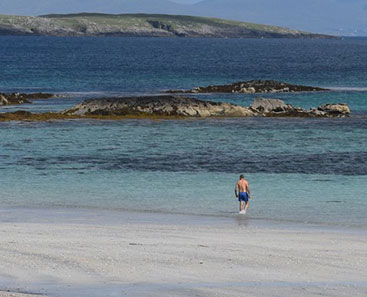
[350,163]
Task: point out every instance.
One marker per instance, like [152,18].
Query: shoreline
[100,255]
[9,293]
[112,217]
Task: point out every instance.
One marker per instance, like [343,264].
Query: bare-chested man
[242,191]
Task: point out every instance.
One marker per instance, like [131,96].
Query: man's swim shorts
[243,196]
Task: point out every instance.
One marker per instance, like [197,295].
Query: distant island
[251,87]
[140,25]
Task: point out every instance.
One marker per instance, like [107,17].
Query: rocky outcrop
[251,87]
[180,106]
[168,107]
[265,105]
[158,105]
[340,109]
[17,98]
[278,108]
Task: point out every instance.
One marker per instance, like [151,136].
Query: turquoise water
[300,170]
[189,167]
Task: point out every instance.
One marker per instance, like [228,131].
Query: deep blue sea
[308,171]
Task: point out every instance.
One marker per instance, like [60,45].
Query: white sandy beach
[132,258]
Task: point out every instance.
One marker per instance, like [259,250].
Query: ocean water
[307,171]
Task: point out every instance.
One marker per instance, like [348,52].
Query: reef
[251,87]
[176,107]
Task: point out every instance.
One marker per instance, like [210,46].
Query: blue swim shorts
[243,196]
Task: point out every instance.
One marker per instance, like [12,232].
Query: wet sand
[12,294]
[95,255]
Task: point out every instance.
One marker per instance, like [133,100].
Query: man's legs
[241,205]
[246,205]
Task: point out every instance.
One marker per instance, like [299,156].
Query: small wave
[334,163]
[84,94]
[94,94]
[19,88]
[348,89]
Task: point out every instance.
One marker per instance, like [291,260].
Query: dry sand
[169,259]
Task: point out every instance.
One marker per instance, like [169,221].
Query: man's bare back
[242,186]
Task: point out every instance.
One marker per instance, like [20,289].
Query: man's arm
[235,189]
[248,190]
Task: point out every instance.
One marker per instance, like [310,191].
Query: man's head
[241,176]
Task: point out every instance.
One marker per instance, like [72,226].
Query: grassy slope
[142,21]
[127,20]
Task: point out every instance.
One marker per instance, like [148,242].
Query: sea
[306,172]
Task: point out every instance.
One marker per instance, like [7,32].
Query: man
[242,191]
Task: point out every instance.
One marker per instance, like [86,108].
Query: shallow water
[189,167]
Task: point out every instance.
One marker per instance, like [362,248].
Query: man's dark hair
[241,176]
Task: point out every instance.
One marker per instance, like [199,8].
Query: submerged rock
[253,86]
[158,105]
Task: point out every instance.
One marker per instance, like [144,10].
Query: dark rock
[253,86]
[22,113]
[14,98]
[17,98]
[36,96]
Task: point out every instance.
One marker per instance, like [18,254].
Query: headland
[143,25]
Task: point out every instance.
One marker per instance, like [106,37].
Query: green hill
[94,24]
